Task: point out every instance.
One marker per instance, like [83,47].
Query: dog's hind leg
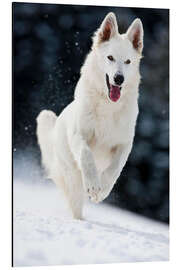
[71,186]
[75,192]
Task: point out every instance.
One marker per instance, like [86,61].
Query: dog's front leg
[84,158]
[110,175]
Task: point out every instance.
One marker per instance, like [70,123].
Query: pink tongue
[114,93]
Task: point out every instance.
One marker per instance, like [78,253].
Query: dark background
[50,43]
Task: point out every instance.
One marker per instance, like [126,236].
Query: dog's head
[118,56]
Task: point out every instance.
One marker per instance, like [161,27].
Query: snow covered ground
[44,234]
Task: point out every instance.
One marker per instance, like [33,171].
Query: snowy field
[44,234]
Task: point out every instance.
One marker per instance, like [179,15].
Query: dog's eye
[127,61]
[110,57]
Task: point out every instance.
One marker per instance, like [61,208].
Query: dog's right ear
[107,30]
[135,34]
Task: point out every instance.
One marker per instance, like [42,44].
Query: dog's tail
[45,124]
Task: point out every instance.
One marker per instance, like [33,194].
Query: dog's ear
[135,34]
[107,30]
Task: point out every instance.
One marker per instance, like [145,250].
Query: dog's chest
[111,129]
[114,128]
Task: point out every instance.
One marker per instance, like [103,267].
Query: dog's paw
[93,190]
[103,194]
[105,188]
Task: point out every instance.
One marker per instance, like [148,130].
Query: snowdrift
[44,233]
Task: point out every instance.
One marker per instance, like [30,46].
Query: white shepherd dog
[85,148]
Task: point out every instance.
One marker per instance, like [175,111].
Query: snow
[45,234]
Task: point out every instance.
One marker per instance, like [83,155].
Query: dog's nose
[118,78]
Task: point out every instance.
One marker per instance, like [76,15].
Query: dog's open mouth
[114,91]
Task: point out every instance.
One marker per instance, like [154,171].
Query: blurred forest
[50,43]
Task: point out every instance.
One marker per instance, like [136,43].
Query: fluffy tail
[45,124]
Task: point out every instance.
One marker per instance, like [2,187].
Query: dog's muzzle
[114,91]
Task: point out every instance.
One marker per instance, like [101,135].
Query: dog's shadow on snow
[112,228]
[106,227]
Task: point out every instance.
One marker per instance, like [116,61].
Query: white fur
[85,148]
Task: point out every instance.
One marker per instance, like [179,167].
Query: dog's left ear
[135,34]
[107,30]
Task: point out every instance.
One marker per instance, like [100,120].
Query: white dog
[85,148]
